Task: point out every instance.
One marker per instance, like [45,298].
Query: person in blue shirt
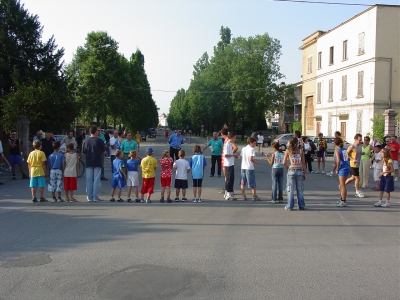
[133,164]
[342,169]
[197,163]
[175,141]
[56,164]
[118,180]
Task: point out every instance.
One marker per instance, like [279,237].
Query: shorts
[15,159]
[181,184]
[148,185]
[377,173]
[39,182]
[321,154]
[133,178]
[56,183]
[166,181]
[344,172]
[117,182]
[396,164]
[198,182]
[247,176]
[70,184]
[355,171]
[386,184]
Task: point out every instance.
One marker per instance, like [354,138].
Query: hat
[149,150]
[13,132]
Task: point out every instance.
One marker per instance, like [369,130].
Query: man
[15,157]
[216,146]
[175,141]
[38,136]
[126,147]
[103,138]
[394,148]
[47,146]
[94,149]
[69,139]
[355,151]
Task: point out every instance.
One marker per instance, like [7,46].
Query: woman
[307,152]
[260,142]
[365,162]
[296,174]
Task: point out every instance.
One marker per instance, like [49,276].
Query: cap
[149,150]
[13,132]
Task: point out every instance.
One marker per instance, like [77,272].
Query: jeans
[217,159]
[93,183]
[277,183]
[229,178]
[295,181]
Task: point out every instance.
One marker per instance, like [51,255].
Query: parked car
[283,140]
[143,136]
[151,133]
[329,143]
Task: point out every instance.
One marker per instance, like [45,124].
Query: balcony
[291,119]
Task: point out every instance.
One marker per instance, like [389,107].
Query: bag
[313,148]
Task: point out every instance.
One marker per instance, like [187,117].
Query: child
[182,168]
[56,164]
[149,166]
[277,172]
[166,175]
[197,163]
[386,183]
[342,169]
[119,176]
[377,165]
[229,164]
[133,175]
[247,169]
[71,172]
[37,171]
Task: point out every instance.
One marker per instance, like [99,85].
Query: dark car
[143,136]
[151,133]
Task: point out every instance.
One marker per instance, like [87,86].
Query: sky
[173,34]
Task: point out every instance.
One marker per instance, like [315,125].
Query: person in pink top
[166,163]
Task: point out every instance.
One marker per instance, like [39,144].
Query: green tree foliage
[378,127]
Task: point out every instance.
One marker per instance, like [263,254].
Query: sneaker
[61,199]
[289,209]
[387,204]
[162,200]
[231,198]
[396,179]
[54,200]
[141,200]
[169,200]
[24,176]
[90,200]
[273,201]
[112,199]
[337,202]
[198,200]
[323,172]
[244,198]
[129,200]
[316,172]
[177,199]
[194,200]
[137,200]
[256,198]
[14,177]
[378,204]
[184,199]
[342,204]
[148,201]
[280,200]
[95,200]
[329,174]
[360,194]
[120,200]
[43,199]
[34,199]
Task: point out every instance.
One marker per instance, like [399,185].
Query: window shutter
[330,98]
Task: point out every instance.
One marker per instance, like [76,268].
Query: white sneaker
[194,200]
[198,200]
[378,204]
[396,179]
[316,172]
[360,194]
[342,204]
[329,174]
[387,204]
[323,172]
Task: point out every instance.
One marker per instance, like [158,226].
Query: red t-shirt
[166,167]
[394,154]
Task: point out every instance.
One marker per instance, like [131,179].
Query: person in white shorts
[133,175]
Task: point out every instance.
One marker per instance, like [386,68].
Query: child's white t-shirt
[246,154]
[181,166]
[228,161]
[378,165]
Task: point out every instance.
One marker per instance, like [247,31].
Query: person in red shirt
[394,149]
[166,175]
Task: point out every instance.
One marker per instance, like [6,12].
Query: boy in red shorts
[148,166]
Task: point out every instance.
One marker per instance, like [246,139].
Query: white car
[283,140]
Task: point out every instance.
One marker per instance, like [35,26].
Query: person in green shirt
[365,162]
[216,146]
[126,146]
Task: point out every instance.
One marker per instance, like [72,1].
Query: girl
[138,137]
[277,172]
[296,174]
[342,169]
[118,180]
[166,163]
[386,183]
[260,141]
[71,173]
[307,152]
[197,164]
[365,162]
[133,176]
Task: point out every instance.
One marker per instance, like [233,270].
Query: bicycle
[82,167]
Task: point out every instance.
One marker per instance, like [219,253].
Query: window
[361,40]
[331,56]
[345,50]
[330,97]
[319,60]
[344,87]
[360,92]
[309,64]
[319,93]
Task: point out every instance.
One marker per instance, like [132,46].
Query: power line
[322,2]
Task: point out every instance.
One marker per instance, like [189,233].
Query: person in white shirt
[182,168]
[377,165]
[260,142]
[229,164]
[247,169]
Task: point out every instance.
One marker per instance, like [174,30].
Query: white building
[162,120]
[357,72]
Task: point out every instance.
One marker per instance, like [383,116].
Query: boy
[247,169]
[378,166]
[119,176]
[148,166]
[197,163]
[182,168]
[37,171]
[56,164]
[133,175]
[229,164]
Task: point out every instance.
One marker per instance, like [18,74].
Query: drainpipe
[389,60]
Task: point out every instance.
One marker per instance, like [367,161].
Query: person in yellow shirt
[148,166]
[37,171]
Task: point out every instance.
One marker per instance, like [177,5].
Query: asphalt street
[216,249]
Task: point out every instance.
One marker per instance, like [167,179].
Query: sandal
[375,189]
[73,200]
[67,199]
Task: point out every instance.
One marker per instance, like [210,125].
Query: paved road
[213,250]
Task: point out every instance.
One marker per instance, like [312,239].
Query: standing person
[386,183]
[377,165]
[277,173]
[133,164]
[300,144]
[94,149]
[114,145]
[229,164]
[69,139]
[247,169]
[321,148]
[3,158]
[56,164]
[37,171]
[342,169]
[128,145]
[71,173]
[38,136]
[394,149]
[354,151]
[15,157]
[337,135]
[216,146]
[260,142]
[166,135]
[182,168]
[148,165]
[138,138]
[80,140]
[197,163]
[119,176]
[103,138]
[365,162]
[296,174]
[175,141]
[166,175]
[224,138]
[307,153]
[107,138]
[47,143]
